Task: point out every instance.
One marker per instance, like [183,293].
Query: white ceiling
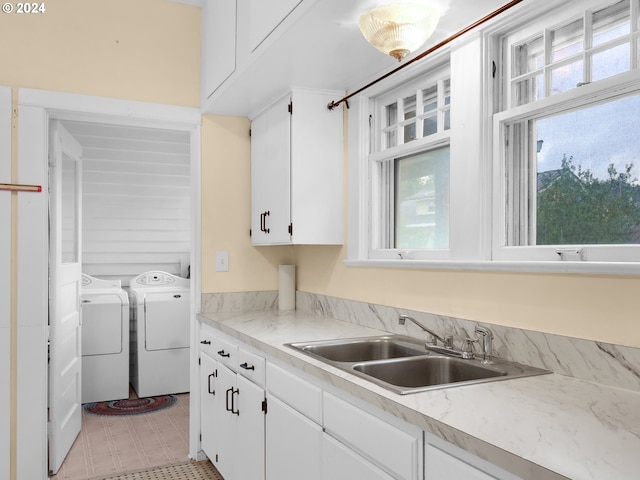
[326,50]
[118,143]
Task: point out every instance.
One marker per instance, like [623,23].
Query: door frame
[35,109]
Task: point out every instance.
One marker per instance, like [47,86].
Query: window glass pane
[610,23]
[611,62]
[587,189]
[391,138]
[409,132]
[430,99]
[409,104]
[391,114]
[69,211]
[528,90]
[447,119]
[430,125]
[528,57]
[446,85]
[422,200]
[409,107]
[567,41]
[566,77]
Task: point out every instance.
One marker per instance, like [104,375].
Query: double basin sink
[405,365]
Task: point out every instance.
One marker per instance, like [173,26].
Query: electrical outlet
[222,261]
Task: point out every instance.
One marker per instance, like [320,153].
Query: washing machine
[160,360]
[105,340]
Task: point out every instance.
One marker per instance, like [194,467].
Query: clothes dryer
[160,363]
[105,340]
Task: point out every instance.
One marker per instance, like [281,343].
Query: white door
[228,421]
[249,458]
[293,443]
[209,410]
[271,175]
[65,350]
[339,462]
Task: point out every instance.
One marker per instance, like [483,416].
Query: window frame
[476,161]
[621,258]
[381,160]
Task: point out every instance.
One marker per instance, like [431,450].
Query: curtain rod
[495,13]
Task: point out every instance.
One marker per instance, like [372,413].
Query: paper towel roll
[287,287]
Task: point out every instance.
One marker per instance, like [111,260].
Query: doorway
[133,206]
[36,110]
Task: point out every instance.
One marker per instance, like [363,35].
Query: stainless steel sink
[363,349]
[427,371]
[405,365]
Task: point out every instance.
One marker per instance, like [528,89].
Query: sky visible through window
[595,137]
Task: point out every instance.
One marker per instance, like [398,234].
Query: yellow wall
[603,308]
[594,307]
[226,217]
[147,50]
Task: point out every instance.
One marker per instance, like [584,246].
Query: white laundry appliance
[160,360]
[105,340]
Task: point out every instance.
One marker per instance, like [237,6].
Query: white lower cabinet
[444,461]
[339,462]
[261,421]
[395,449]
[293,443]
[208,407]
[232,412]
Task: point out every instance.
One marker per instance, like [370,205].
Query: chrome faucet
[447,341]
[487,344]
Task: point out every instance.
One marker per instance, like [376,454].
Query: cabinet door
[265,17]
[209,410]
[341,463]
[271,175]
[227,422]
[249,459]
[439,464]
[293,444]
[218,44]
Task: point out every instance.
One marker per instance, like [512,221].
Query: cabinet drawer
[208,341]
[391,448]
[227,353]
[295,392]
[251,366]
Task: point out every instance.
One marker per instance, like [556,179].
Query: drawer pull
[206,342]
[247,366]
[222,353]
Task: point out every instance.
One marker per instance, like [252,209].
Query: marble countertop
[543,427]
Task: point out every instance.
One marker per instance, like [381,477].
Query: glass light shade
[399,29]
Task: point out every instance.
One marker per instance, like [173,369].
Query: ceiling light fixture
[399,28]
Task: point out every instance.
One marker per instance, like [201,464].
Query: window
[409,166]
[567,139]
[514,149]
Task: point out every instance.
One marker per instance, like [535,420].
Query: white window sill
[609,268]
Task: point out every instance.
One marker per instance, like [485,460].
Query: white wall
[136,200]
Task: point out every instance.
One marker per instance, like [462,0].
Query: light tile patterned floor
[185,471]
[111,445]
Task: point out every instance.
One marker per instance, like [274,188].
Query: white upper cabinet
[296,171]
[234,34]
[264,18]
[219,19]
